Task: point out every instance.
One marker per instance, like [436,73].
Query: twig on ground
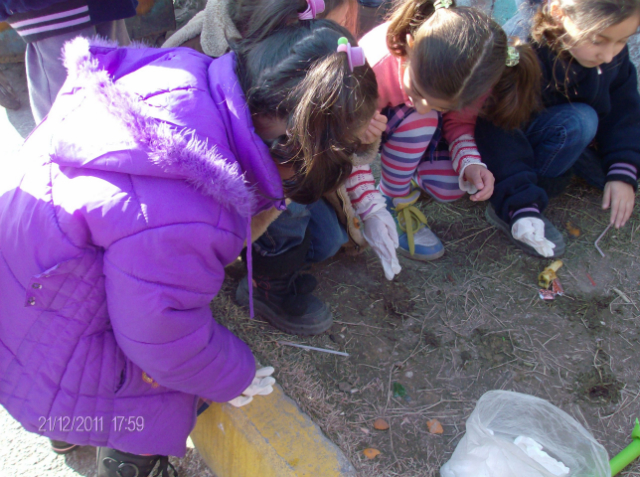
[468,236]
[312,348]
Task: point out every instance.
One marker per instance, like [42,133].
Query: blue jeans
[289,229]
[559,136]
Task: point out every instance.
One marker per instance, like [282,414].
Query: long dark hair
[296,74]
[459,54]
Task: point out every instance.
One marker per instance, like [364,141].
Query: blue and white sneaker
[417,241]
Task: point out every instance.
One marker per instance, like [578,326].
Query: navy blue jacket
[614,97]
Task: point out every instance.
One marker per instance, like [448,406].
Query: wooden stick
[311,348]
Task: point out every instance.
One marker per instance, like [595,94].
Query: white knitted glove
[381,234]
[261,385]
[530,230]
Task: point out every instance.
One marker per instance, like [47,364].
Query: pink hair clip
[313,8]
[355,54]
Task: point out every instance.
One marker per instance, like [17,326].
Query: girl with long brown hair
[285,241]
[432,57]
[590,124]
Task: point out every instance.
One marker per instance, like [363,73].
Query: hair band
[355,54]
[513,56]
[313,8]
[438,4]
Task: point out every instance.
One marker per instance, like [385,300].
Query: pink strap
[313,8]
[355,55]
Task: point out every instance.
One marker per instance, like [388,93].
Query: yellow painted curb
[270,437]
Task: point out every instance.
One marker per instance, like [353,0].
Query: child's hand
[482,178]
[375,129]
[621,197]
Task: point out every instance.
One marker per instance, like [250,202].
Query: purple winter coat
[135,192]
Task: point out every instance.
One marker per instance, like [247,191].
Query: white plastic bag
[488,448]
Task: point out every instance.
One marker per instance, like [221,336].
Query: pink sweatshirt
[458,126]
[458,129]
[387,68]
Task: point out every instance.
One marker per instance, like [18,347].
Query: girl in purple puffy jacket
[134,193]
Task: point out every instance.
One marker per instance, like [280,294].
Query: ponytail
[297,74]
[405,20]
[329,111]
[459,55]
[516,95]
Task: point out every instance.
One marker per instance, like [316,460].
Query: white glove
[381,234]
[261,385]
[530,230]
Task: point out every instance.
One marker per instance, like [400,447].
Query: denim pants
[559,136]
[289,229]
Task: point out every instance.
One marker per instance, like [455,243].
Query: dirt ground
[440,335]
[428,344]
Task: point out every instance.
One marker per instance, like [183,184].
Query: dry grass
[450,330]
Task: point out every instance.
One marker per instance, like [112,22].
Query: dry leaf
[434,426]
[381,425]
[371,453]
[573,230]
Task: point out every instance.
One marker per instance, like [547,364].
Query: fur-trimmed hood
[162,113]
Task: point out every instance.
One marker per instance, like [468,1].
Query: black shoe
[114,463]
[62,447]
[550,232]
[281,302]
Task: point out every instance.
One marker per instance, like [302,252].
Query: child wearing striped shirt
[428,59]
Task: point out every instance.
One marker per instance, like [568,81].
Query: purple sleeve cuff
[623,172]
[529,211]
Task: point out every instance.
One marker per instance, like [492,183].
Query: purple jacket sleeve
[159,284]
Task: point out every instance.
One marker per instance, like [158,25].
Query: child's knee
[442,191]
[582,123]
[328,245]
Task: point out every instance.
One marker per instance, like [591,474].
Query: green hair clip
[438,4]
[513,56]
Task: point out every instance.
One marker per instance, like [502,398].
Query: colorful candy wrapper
[546,294]
[556,287]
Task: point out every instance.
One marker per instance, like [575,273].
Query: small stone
[409,374]
[344,387]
